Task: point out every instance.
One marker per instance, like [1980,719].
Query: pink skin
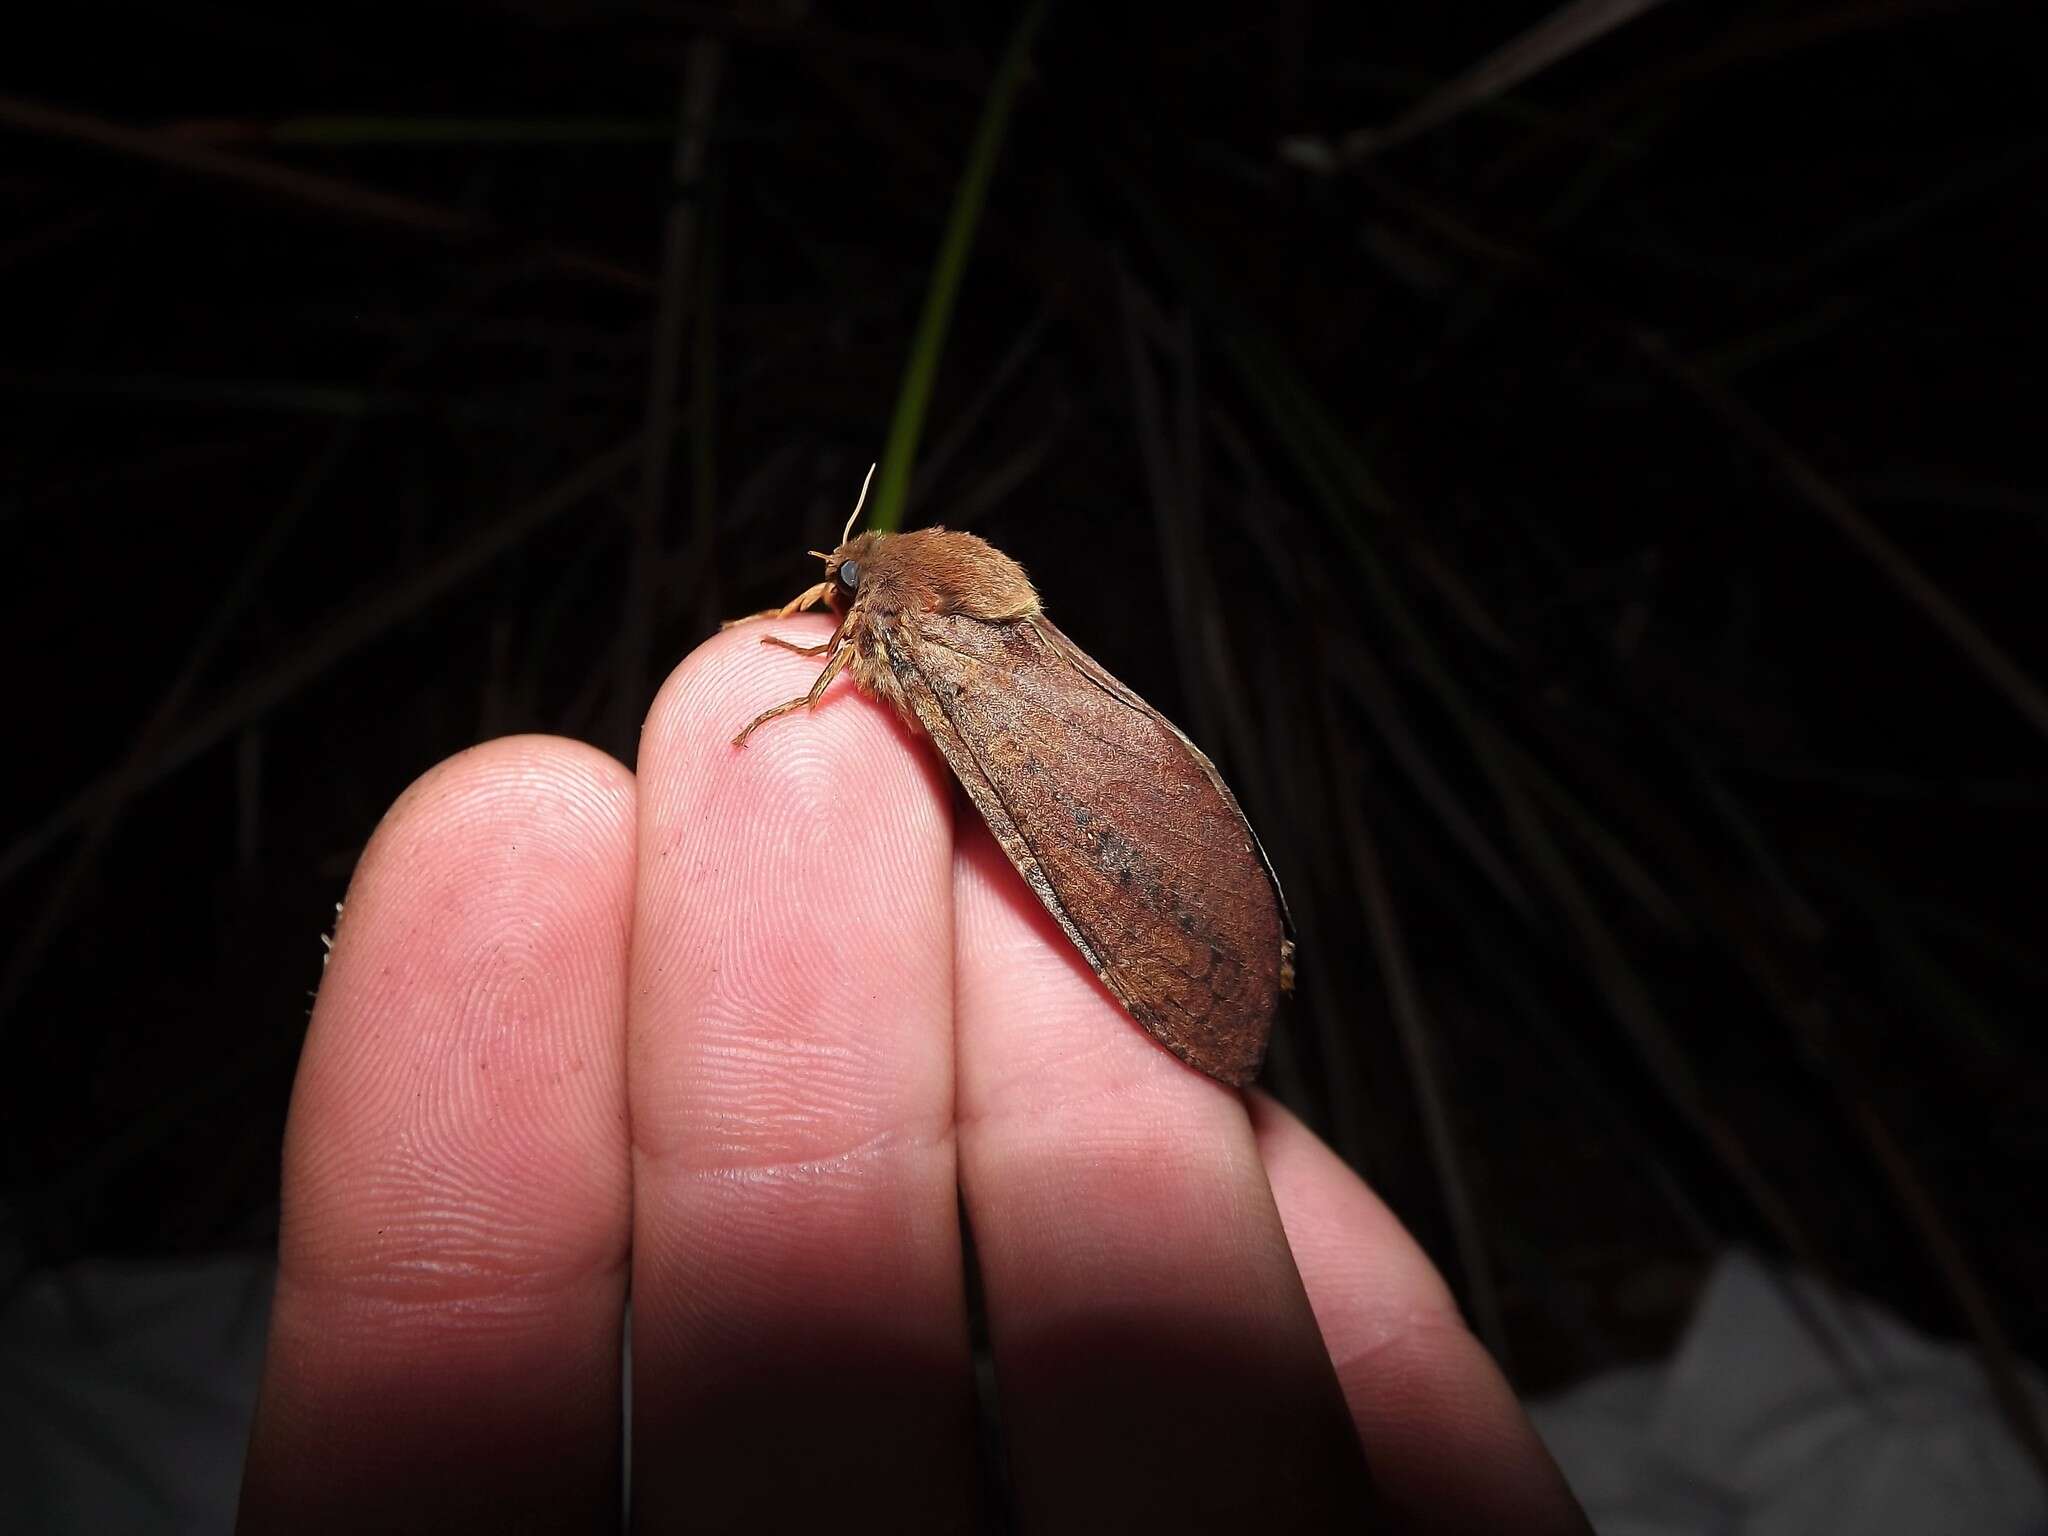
[747,1031]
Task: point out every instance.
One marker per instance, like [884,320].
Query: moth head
[846,565]
[853,568]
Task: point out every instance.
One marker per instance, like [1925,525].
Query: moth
[1120,825]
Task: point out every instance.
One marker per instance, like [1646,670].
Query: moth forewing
[1101,676]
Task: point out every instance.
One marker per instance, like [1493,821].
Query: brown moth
[1118,823]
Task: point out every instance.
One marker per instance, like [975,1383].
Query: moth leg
[809,650]
[801,701]
[810,597]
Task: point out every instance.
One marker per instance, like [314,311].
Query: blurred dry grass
[1579,474]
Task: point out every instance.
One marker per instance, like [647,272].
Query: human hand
[752,1031]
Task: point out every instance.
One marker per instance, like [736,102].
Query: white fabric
[1752,1429]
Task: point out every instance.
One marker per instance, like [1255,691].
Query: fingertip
[456,1183]
[729,679]
[1448,1443]
[577,770]
[495,892]
[813,841]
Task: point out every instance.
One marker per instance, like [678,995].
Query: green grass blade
[899,456]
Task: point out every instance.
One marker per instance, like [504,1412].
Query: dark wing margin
[1120,826]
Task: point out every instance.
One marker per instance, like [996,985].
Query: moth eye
[849,574]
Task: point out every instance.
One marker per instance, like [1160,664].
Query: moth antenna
[858,505]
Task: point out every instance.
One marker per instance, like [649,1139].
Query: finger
[1450,1447]
[445,1344]
[800,1343]
[1158,1364]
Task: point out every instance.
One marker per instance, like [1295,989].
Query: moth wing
[1101,676]
[1122,829]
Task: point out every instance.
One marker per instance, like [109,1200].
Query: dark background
[1600,533]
